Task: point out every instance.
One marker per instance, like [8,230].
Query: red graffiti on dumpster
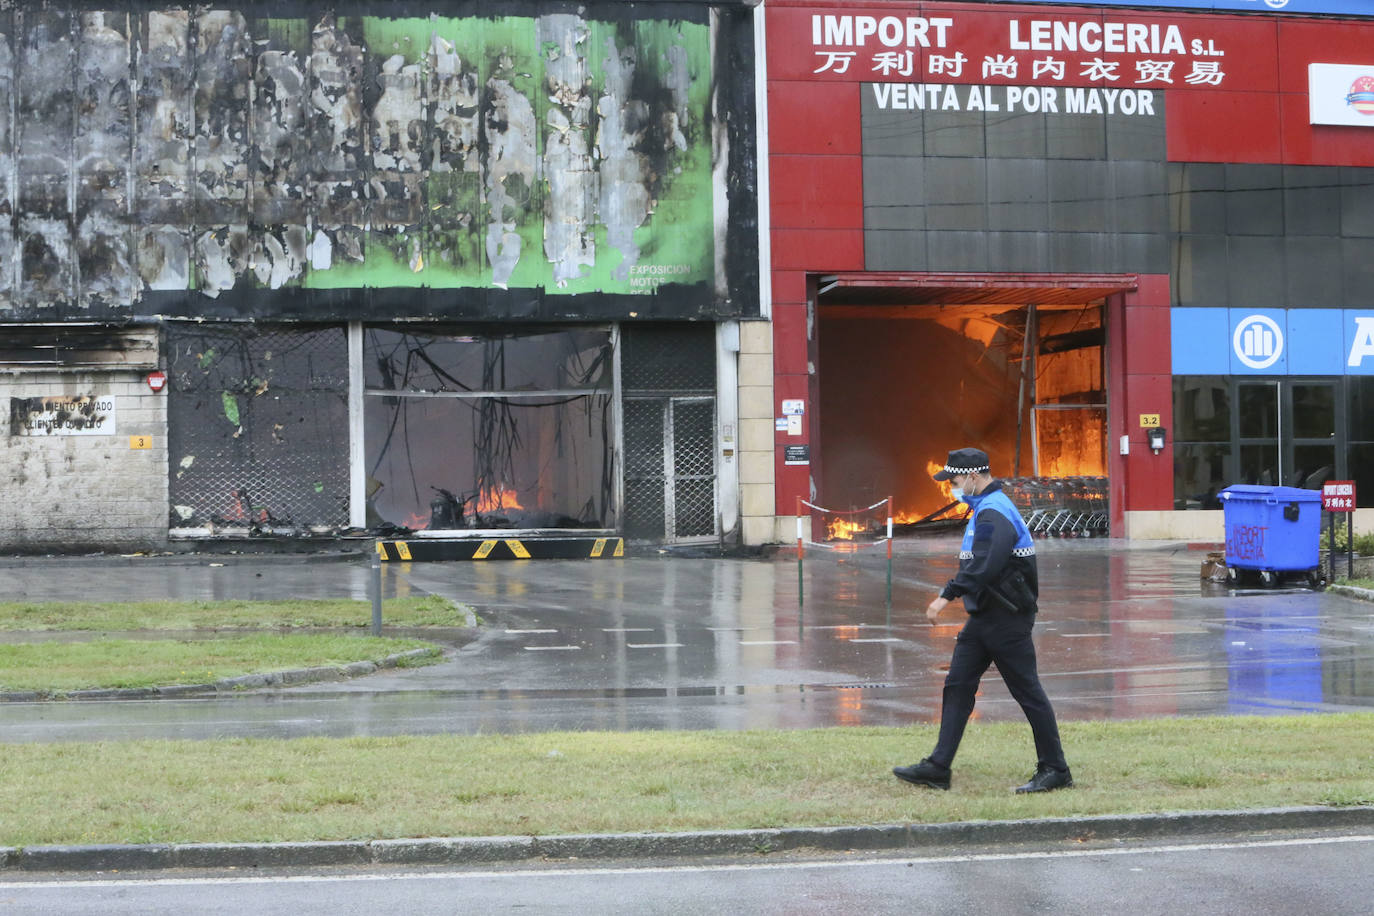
[1246,542]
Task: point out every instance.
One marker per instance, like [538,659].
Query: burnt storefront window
[1360,418]
[489,428]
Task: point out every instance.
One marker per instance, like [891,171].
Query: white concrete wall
[85,492]
[1208,525]
[1195,525]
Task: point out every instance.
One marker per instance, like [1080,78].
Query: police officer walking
[998,581]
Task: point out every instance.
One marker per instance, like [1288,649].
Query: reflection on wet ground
[642,643]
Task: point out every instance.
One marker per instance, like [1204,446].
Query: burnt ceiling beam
[1074,340]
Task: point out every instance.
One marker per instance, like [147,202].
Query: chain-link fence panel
[668,358]
[645,494]
[258,427]
[694,473]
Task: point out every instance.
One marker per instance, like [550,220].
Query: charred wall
[506,161]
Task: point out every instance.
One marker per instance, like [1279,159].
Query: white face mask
[957,493]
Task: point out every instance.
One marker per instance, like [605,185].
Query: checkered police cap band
[950,469]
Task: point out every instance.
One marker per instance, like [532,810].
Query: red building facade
[999,225]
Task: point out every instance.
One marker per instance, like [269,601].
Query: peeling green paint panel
[486,213]
[406,37]
[285,33]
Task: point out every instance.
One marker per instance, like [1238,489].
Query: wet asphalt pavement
[672,642]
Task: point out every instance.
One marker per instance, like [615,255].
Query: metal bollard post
[375,588]
[1349,547]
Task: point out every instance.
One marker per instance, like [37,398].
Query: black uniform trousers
[1000,637]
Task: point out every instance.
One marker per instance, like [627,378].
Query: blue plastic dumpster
[1271,531]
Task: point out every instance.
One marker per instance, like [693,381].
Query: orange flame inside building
[241,511]
[496,500]
[841,529]
[907,517]
[845,528]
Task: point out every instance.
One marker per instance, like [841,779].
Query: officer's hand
[935,607]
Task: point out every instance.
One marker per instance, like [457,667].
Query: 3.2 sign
[1338,496]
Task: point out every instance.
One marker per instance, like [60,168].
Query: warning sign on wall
[63,415]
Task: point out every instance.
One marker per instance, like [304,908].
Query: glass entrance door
[1287,432]
[1310,451]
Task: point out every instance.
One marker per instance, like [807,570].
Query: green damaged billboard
[589,150]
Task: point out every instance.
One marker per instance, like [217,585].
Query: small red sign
[1338,496]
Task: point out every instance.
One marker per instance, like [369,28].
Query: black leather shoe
[925,773]
[1046,779]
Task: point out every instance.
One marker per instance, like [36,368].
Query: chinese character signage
[1038,47]
[1338,496]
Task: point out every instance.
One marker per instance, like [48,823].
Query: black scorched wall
[539,161]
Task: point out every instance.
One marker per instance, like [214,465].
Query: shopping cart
[1061,506]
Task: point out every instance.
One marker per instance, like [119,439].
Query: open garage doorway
[909,367]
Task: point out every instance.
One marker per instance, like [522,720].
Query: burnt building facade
[1127,251]
[310,269]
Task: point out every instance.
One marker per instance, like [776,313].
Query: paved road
[671,642]
[1304,874]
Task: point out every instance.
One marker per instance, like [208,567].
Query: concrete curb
[266,557]
[480,850]
[288,678]
[1352,591]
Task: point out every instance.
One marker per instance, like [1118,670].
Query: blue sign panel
[1272,341]
[1348,8]
[1316,342]
[1195,333]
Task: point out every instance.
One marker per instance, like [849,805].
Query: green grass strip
[591,782]
[429,610]
[58,667]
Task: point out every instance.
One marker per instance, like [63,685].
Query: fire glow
[241,511]
[493,503]
[909,517]
[843,529]
[496,500]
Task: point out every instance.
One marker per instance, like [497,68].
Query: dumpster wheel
[1268,578]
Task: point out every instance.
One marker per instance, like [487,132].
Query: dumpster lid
[1285,494]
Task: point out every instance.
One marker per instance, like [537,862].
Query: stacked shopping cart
[1073,507]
